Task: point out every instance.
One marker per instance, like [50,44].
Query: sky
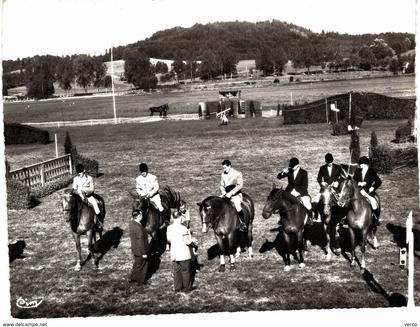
[61,27]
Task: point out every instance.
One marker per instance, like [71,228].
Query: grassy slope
[134,106]
[187,156]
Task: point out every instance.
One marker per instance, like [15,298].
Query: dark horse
[82,221]
[331,215]
[292,215]
[162,110]
[219,214]
[359,217]
[150,214]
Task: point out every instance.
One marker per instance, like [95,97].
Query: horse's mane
[173,197]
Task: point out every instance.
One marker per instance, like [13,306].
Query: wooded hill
[245,39]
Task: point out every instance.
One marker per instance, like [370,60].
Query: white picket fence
[43,173]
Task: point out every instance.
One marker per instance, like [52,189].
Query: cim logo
[24,303]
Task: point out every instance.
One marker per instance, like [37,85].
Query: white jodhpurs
[371,199]
[236,200]
[157,202]
[306,200]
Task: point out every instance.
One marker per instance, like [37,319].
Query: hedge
[384,159]
[18,195]
[91,165]
[363,106]
[381,159]
[51,187]
[23,134]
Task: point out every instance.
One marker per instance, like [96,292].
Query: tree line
[40,73]
[212,50]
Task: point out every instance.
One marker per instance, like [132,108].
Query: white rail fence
[125,120]
[120,120]
[43,173]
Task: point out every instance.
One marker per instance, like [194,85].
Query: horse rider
[83,186]
[328,175]
[147,186]
[298,185]
[231,183]
[368,181]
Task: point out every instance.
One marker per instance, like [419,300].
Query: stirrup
[242,226]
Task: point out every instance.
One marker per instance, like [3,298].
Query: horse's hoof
[337,251]
[287,268]
[77,268]
[302,265]
[363,265]
[222,268]
[375,244]
[328,256]
[353,263]
[232,267]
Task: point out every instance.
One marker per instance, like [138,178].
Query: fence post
[41,172]
[70,165]
[410,247]
[326,109]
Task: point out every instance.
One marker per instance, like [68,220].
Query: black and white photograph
[209,162]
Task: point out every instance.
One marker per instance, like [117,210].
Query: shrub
[51,187]
[23,134]
[373,140]
[340,128]
[18,195]
[404,133]
[68,146]
[91,165]
[382,159]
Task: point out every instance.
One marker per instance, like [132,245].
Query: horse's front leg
[221,253]
[327,230]
[286,238]
[300,248]
[363,247]
[249,241]
[91,236]
[232,245]
[352,246]
[78,265]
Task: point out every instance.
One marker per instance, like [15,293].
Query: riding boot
[162,221]
[375,217]
[98,222]
[310,221]
[242,225]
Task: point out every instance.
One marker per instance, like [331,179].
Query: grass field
[187,156]
[180,102]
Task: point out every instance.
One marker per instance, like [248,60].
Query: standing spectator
[179,237]
[140,249]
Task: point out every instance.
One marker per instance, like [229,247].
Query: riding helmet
[226,163]
[80,168]
[143,168]
[329,158]
[364,160]
[293,162]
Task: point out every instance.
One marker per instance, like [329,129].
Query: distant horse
[162,110]
[331,214]
[219,214]
[292,215]
[82,221]
[150,214]
[359,217]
